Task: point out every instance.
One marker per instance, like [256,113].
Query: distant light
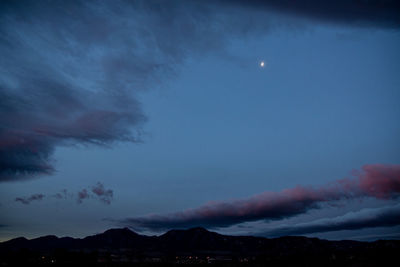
[262,64]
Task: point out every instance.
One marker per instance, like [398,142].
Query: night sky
[254,117]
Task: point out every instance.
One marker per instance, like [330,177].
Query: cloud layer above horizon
[366,218]
[373,181]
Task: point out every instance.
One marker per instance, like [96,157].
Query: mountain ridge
[197,245]
[125,238]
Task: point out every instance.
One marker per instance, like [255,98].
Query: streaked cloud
[374,181]
[365,218]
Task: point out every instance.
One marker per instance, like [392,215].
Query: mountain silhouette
[197,245]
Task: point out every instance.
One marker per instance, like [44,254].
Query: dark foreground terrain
[197,246]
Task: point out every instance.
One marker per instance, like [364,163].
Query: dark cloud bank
[374,181]
[71,70]
[365,13]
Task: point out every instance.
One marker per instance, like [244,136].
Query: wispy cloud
[83,194]
[97,192]
[28,200]
[63,194]
[375,181]
[105,195]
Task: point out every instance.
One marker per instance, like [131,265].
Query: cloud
[105,195]
[366,218]
[98,191]
[72,69]
[375,181]
[61,86]
[83,194]
[28,200]
[364,13]
[63,194]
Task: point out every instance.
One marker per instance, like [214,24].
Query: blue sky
[217,126]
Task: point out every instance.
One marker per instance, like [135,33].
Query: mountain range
[196,246]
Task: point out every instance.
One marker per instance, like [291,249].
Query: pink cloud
[83,194]
[105,195]
[380,181]
[376,181]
